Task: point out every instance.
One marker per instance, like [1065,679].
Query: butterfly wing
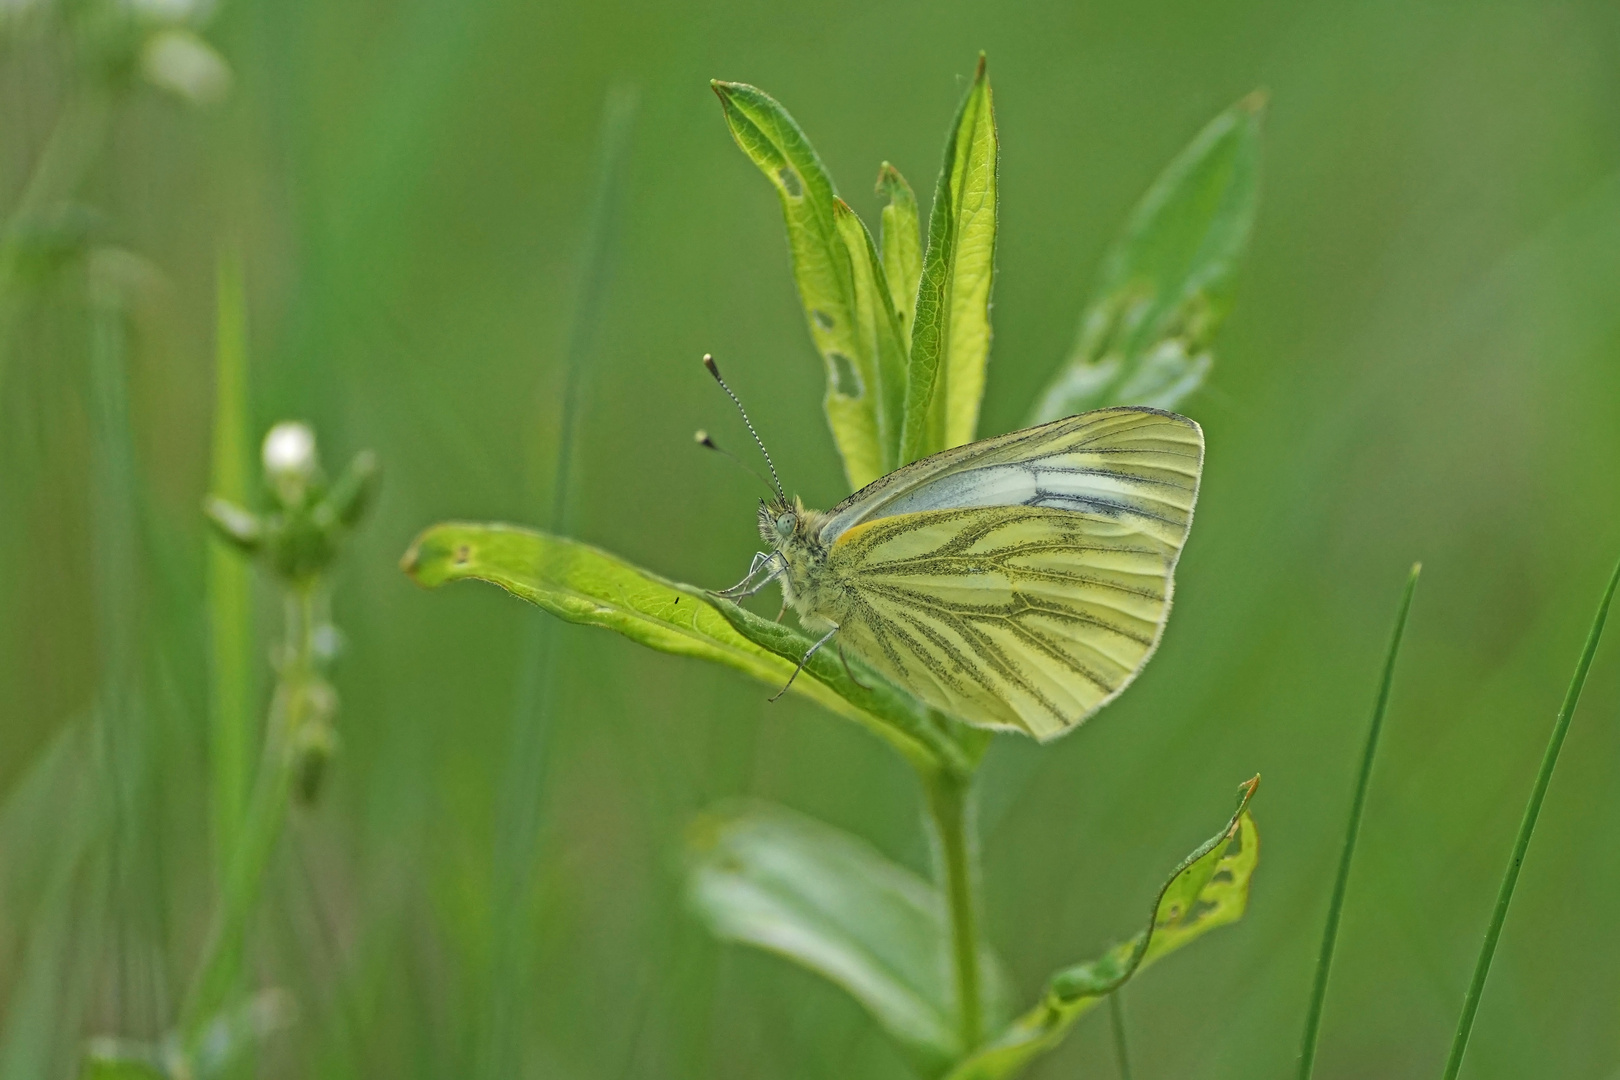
[1023,581]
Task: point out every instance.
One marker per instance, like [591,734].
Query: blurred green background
[1421,364]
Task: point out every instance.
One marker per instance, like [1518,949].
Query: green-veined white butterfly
[1017,582]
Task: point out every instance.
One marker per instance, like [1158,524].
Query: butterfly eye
[784,525]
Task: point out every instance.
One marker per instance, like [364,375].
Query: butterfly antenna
[708,362]
[703,439]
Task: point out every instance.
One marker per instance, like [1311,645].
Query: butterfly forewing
[1023,581]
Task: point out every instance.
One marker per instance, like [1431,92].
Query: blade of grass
[1116,1020]
[522,793]
[230,581]
[1330,933]
[1532,810]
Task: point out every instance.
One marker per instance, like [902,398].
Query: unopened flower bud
[289,460]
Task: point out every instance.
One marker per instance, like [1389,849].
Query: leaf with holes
[846,304]
[1209,889]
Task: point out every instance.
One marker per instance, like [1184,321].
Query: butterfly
[1019,582]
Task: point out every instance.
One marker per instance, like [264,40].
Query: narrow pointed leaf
[877,337]
[768,877]
[1209,889]
[902,247]
[1166,283]
[827,280]
[583,584]
[950,338]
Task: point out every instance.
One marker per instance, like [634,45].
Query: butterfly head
[780,521]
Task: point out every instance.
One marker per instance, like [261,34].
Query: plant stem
[950,804]
[1116,1016]
[1532,810]
[266,813]
[1330,934]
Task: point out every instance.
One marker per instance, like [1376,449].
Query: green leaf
[1209,889]
[583,584]
[950,338]
[878,334]
[1166,283]
[826,267]
[902,247]
[768,877]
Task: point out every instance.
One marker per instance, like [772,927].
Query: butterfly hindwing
[1023,581]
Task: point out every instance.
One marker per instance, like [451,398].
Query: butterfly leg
[803,660]
[849,672]
[770,566]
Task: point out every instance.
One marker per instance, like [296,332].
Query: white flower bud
[289,459]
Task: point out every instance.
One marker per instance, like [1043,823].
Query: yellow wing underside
[1027,616]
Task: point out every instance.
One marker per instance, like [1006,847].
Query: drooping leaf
[1166,282]
[827,281]
[768,877]
[583,584]
[950,337]
[1209,889]
[902,247]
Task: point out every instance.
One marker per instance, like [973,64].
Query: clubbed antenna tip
[704,440]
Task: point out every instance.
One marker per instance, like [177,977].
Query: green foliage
[1166,283]
[583,584]
[905,335]
[902,247]
[1209,889]
[846,299]
[768,877]
[302,532]
[950,341]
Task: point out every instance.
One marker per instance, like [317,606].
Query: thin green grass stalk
[1532,810]
[1116,1017]
[230,577]
[128,751]
[950,805]
[262,824]
[523,787]
[1330,933]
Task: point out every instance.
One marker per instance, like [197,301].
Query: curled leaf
[1209,889]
